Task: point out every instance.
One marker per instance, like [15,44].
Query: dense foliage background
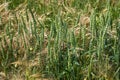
[59,39]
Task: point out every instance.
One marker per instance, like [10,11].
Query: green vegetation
[59,39]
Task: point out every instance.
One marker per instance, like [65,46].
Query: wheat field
[59,39]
